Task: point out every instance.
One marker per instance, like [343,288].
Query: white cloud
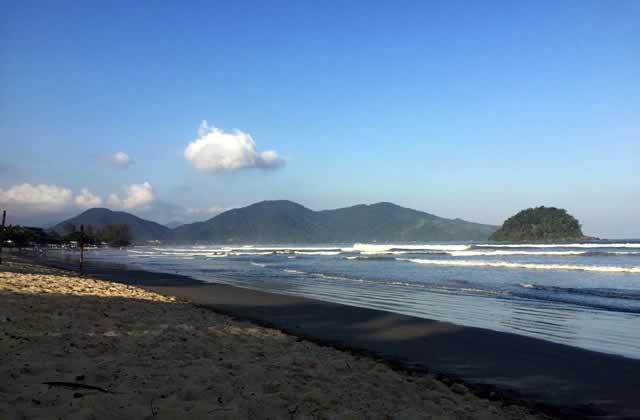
[86,199]
[39,197]
[137,196]
[216,151]
[47,204]
[121,159]
[46,198]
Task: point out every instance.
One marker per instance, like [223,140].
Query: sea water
[583,295]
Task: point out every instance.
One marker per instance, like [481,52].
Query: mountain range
[284,221]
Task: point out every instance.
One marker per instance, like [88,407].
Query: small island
[539,224]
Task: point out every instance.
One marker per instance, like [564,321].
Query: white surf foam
[580,245]
[292,248]
[386,248]
[475,253]
[191,249]
[326,253]
[479,263]
[241,253]
[417,251]
[258,264]
[340,278]
[472,253]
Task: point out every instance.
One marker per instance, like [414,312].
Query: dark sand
[578,383]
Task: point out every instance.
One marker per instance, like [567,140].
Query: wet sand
[577,383]
[80,348]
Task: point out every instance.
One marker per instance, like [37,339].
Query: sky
[176,111]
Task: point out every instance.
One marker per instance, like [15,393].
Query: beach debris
[153,411]
[77,385]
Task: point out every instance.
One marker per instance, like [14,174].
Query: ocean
[584,295]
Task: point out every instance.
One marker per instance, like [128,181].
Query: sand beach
[81,348]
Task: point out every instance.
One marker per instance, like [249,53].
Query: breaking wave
[372,257]
[374,248]
[258,264]
[475,253]
[326,253]
[479,263]
[373,251]
[472,253]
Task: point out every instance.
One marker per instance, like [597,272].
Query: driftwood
[153,412]
[77,385]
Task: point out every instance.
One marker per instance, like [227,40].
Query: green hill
[141,230]
[539,224]
[288,222]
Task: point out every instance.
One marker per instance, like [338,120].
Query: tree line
[112,235]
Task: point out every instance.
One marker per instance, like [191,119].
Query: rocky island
[539,224]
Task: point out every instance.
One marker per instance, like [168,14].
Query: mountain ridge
[279,221]
[284,221]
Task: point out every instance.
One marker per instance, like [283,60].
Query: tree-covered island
[539,224]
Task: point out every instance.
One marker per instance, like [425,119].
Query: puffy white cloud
[86,199]
[121,159]
[216,151]
[46,198]
[136,196]
[39,197]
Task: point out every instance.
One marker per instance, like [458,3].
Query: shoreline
[77,347]
[553,378]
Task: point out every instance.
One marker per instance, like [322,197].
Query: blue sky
[462,109]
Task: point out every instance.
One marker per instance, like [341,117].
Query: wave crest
[575,245]
[504,264]
[375,248]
